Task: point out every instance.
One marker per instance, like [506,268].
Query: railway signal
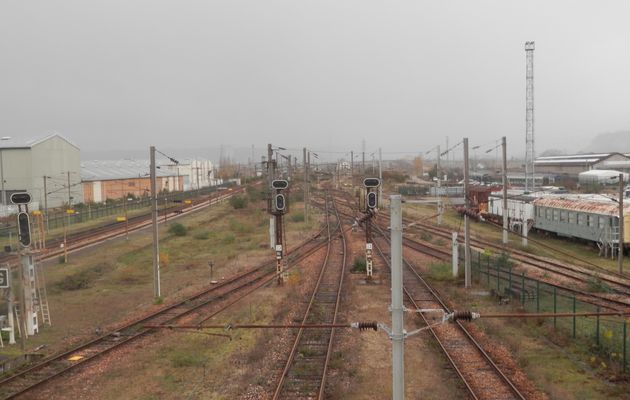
[24,229]
[277,207]
[279,203]
[371,204]
[372,200]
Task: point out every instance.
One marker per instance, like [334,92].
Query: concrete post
[154,217]
[380,175]
[621,227]
[439,177]
[505,183]
[467,280]
[455,255]
[398,334]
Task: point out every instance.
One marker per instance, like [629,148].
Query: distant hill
[609,142]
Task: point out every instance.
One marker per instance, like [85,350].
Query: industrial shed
[52,161]
[103,180]
[572,165]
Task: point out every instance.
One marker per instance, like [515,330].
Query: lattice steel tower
[529,117]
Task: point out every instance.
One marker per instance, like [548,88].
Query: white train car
[520,208]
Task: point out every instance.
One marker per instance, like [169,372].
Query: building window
[580,219]
[556,215]
[563,216]
[589,220]
[602,222]
[572,218]
[548,214]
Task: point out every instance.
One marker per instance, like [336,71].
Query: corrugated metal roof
[9,142]
[606,207]
[102,170]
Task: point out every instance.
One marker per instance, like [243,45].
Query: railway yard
[233,321]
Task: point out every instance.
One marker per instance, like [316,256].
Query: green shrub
[203,235]
[441,272]
[177,229]
[297,217]
[238,202]
[359,265]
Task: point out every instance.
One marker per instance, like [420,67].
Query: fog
[401,75]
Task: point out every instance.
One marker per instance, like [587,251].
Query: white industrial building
[28,165]
[196,173]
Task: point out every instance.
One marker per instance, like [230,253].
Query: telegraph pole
[529,117]
[352,168]
[467,280]
[505,184]
[439,186]
[398,334]
[380,174]
[154,217]
[363,157]
[621,227]
[46,201]
[305,185]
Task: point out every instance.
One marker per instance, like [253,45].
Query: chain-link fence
[86,212]
[605,335]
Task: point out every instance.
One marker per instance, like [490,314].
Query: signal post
[278,206]
[371,206]
[28,312]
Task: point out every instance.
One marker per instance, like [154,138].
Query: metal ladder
[42,296]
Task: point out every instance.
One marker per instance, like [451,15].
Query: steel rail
[291,358]
[137,326]
[475,344]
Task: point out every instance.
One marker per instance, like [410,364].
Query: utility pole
[380,174]
[352,168]
[467,280]
[154,217]
[46,201]
[621,227]
[398,334]
[439,186]
[505,184]
[529,117]
[363,157]
[305,185]
[69,193]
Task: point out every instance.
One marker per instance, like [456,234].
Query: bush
[238,202]
[359,265]
[177,229]
[297,217]
[203,235]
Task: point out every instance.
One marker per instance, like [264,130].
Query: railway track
[482,377]
[210,300]
[615,301]
[79,240]
[304,373]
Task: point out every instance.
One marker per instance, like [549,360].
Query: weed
[426,236]
[238,202]
[441,272]
[297,217]
[82,279]
[229,238]
[595,284]
[177,229]
[359,265]
[203,235]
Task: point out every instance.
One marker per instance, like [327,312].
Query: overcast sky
[403,75]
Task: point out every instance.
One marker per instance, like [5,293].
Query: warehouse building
[196,173]
[103,180]
[51,161]
[572,165]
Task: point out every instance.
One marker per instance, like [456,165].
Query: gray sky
[324,74]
